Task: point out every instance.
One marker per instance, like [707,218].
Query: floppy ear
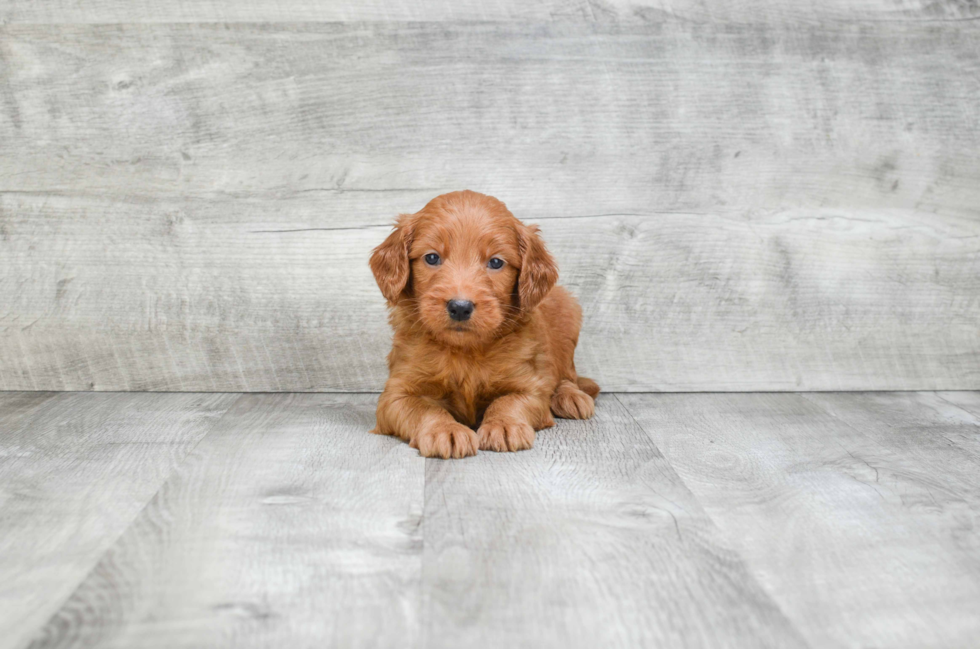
[539,272]
[389,261]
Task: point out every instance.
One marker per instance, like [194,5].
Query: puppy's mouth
[466,327]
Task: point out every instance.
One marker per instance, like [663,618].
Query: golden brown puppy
[483,337]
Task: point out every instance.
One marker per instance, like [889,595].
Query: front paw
[569,402]
[501,435]
[446,441]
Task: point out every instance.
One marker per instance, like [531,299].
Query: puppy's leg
[510,421]
[564,317]
[570,401]
[424,425]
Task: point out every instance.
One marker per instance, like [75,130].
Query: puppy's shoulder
[559,304]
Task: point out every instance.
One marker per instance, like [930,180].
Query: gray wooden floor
[669,520]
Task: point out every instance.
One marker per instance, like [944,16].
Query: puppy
[483,339]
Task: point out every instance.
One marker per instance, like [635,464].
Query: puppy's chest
[469,377]
[466,385]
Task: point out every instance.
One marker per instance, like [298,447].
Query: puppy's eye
[496,263]
[432,259]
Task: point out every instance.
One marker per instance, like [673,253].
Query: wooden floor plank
[921,426]
[75,470]
[965,400]
[769,520]
[288,526]
[17,407]
[587,540]
[857,512]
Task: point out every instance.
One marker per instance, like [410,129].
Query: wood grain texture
[857,512]
[559,119]
[779,11]
[745,11]
[969,401]
[249,301]
[230,11]
[288,526]
[75,470]
[819,520]
[588,540]
[18,407]
[739,206]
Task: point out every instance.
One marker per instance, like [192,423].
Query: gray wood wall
[744,195]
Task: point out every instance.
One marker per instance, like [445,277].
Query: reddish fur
[513,364]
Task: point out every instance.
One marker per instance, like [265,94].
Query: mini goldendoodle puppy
[483,339]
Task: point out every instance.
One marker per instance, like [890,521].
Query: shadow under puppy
[482,336]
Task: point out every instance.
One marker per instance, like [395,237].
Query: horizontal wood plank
[288,526]
[554,119]
[75,471]
[855,511]
[739,207]
[702,11]
[194,296]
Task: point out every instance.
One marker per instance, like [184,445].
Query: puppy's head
[463,268]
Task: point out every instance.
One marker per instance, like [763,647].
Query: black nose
[459,310]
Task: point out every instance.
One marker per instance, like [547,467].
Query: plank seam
[97,562]
[975,416]
[750,573]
